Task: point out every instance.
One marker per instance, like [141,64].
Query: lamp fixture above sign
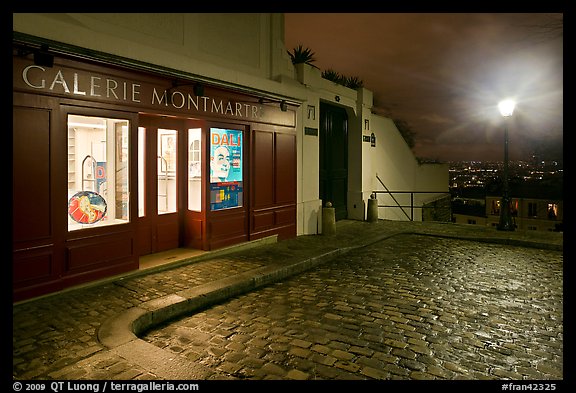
[42,57]
[197,87]
[283,104]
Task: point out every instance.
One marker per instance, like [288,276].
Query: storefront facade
[136,133]
[110,163]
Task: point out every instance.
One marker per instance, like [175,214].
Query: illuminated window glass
[194,169]
[141,171]
[167,160]
[552,211]
[98,162]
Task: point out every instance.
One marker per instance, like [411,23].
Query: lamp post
[506,108]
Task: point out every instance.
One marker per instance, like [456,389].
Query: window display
[141,171]
[98,186]
[195,169]
[226,181]
[167,150]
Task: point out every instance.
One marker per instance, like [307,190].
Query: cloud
[445,73]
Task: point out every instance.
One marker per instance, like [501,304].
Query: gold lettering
[205,99]
[135,92]
[93,86]
[111,86]
[191,100]
[76,91]
[25,77]
[229,108]
[158,99]
[183,100]
[238,109]
[59,78]
[219,108]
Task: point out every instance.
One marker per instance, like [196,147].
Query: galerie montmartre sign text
[91,86]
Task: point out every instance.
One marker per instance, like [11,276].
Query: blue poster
[225,155]
[226,180]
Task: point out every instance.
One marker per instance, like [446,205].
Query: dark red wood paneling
[194,229]
[31,213]
[285,168]
[32,267]
[262,220]
[227,229]
[263,169]
[101,251]
[144,238]
[167,232]
[285,216]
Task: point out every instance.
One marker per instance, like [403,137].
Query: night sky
[444,73]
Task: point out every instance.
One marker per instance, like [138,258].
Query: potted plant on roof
[302,58]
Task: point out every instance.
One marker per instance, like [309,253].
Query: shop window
[167,140]
[194,169]
[226,181]
[98,161]
[141,171]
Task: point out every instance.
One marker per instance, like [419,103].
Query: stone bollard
[328,220]
[372,214]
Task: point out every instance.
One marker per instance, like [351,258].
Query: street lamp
[506,108]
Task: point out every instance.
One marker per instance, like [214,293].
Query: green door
[334,158]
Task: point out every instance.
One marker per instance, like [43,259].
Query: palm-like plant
[354,82]
[301,55]
[333,76]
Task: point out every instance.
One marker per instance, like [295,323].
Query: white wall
[394,163]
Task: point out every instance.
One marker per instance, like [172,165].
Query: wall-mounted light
[43,58]
[199,90]
[337,98]
[283,104]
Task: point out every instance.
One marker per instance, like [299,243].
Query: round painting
[87,207]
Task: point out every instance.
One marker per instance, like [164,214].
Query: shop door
[334,158]
[169,184]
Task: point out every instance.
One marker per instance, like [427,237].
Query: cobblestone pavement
[409,308]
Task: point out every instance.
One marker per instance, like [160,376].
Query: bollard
[372,214]
[328,220]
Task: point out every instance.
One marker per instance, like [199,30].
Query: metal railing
[422,204]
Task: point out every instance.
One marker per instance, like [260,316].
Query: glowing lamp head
[506,107]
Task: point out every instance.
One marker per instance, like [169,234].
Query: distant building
[534,207]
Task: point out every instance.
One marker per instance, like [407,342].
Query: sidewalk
[57,336]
